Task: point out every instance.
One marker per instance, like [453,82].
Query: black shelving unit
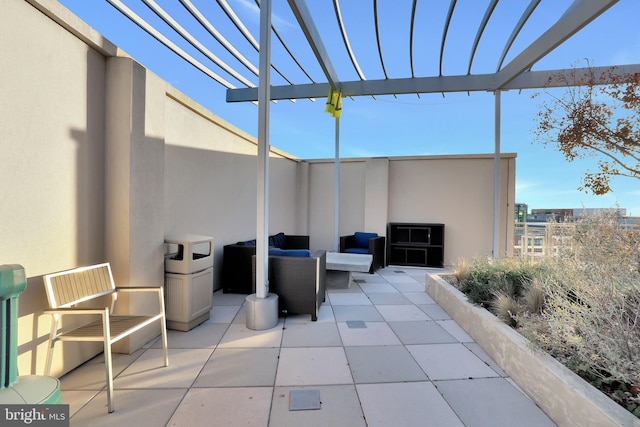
[415,244]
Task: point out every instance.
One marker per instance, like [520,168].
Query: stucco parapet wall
[421,157]
[76,26]
[80,29]
[565,397]
[206,114]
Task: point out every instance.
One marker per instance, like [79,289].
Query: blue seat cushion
[362,239]
[300,253]
[357,250]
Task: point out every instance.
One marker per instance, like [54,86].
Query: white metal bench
[68,288]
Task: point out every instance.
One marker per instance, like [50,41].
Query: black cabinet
[415,244]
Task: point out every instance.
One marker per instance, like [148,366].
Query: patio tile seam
[227,386]
[308,385]
[182,387]
[204,365]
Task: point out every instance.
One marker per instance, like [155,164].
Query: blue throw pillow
[362,239]
[279,240]
[247,243]
[300,253]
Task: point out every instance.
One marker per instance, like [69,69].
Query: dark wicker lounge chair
[299,282]
[365,243]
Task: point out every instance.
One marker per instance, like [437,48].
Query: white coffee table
[340,267]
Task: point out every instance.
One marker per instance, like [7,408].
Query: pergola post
[262,307]
[336,214]
[496,178]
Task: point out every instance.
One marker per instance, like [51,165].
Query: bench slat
[76,286]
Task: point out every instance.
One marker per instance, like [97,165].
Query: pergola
[512,72]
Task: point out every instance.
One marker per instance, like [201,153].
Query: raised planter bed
[565,397]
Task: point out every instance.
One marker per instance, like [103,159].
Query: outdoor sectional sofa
[237,274]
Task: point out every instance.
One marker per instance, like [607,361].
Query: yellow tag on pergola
[334,103]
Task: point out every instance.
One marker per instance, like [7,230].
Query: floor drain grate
[304,400]
[399,271]
[356,324]
[359,280]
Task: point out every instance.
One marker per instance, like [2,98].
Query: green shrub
[485,276]
[461,270]
[534,296]
[506,308]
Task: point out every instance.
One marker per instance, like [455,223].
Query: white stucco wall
[211,179]
[454,190]
[52,143]
[52,147]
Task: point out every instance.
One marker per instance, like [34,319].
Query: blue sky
[457,123]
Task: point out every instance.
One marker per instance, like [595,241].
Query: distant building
[620,212]
[521,212]
[568,214]
[535,234]
[630,220]
[565,214]
[555,215]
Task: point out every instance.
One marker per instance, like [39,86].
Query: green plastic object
[13,281]
[30,389]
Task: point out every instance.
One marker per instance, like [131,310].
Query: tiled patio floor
[410,365]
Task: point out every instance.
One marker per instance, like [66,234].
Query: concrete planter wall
[565,397]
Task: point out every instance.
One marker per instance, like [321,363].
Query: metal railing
[539,239]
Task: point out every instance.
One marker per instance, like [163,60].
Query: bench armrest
[347,242]
[139,289]
[78,311]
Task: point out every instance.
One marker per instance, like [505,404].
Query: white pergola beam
[465,83]
[579,14]
[308,27]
